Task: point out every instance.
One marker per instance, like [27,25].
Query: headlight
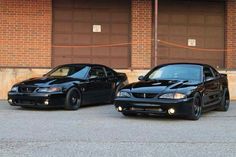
[123,94]
[49,89]
[14,89]
[173,96]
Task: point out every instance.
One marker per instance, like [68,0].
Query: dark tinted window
[207,73]
[97,72]
[216,73]
[110,73]
[177,72]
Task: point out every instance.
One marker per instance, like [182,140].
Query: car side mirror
[209,79]
[141,78]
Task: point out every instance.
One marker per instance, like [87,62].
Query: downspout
[155,31]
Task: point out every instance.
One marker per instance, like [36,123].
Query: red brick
[230,55]
[141,11]
[25,33]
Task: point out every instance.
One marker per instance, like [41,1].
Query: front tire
[196,111]
[224,104]
[73,99]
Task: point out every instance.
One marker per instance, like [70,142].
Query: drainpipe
[155,32]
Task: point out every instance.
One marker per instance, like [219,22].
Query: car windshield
[69,71]
[191,73]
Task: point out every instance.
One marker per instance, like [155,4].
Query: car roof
[200,64]
[84,64]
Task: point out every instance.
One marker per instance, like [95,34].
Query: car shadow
[37,108]
[154,117]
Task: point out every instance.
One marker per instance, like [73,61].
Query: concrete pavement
[101,131]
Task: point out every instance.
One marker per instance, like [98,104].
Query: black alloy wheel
[196,108]
[73,99]
[224,104]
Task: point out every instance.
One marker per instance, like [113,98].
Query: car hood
[48,81]
[157,86]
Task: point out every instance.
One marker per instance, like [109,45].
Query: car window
[208,73]
[97,72]
[215,72]
[110,73]
[78,71]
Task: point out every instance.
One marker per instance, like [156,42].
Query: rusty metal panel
[202,20]
[73,26]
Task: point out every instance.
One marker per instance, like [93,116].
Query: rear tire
[73,99]
[224,104]
[196,107]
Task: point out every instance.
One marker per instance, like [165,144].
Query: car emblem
[144,95]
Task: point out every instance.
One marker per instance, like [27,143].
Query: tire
[224,104]
[73,99]
[196,111]
[129,114]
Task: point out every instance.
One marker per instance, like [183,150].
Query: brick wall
[230,58]
[141,33]
[25,33]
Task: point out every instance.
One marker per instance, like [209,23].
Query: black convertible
[179,89]
[69,86]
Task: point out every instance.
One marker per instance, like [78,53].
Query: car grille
[144,95]
[27,89]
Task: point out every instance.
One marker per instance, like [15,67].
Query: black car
[69,86]
[178,89]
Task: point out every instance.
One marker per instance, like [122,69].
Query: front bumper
[36,99]
[154,106]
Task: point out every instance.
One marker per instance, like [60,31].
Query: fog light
[171,111]
[10,101]
[119,108]
[46,102]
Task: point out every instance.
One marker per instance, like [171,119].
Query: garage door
[196,23]
[93,23]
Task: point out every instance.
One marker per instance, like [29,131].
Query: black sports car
[178,89]
[69,86]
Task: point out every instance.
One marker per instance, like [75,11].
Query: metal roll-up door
[99,24]
[195,23]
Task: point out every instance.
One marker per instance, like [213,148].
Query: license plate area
[146,107]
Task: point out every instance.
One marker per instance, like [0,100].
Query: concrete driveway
[101,131]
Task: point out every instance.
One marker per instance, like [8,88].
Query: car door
[111,82]
[96,86]
[211,84]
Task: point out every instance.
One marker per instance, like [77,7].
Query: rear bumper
[154,106]
[36,99]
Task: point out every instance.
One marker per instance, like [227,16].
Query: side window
[208,73]
[97,72]
[216,73]
[110,73]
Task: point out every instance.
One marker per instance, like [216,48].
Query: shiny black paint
[211,92]
[93,90]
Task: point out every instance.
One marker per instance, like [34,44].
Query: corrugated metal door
[199,22]
[91,22]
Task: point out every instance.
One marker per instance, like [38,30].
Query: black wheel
[128,114]
[196,107]
[73,99]
[224,104]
